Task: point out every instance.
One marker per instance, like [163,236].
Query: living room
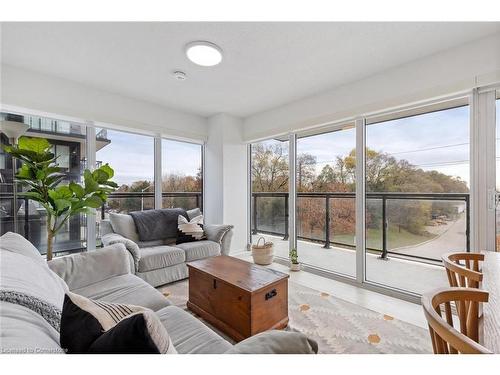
[193,186]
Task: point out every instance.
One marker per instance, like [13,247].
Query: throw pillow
[190,230]
[193,213]
[89,326]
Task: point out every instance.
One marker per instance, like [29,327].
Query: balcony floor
[397,273]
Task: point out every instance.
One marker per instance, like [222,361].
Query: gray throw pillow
[124,225]
[193,213]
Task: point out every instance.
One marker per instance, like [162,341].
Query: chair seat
[189,335]
[153,258]
[199,249]
[128,289]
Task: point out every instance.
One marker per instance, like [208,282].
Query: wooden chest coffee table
[237,297]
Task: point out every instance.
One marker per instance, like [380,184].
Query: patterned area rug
[339,327]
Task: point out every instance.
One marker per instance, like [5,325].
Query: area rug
[339,327]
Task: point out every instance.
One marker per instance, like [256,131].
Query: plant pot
[295,267]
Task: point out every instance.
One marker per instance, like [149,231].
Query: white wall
[447,72]
[36,91]
[226,182]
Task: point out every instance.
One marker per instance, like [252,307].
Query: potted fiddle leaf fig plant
[42,175]
[294,260]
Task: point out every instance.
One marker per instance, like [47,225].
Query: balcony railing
[270,216]
[136,201]
[30,219]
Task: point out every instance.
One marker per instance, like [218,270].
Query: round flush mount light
[204,53]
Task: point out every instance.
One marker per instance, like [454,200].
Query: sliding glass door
[326,200]
[417,196]
[270,194]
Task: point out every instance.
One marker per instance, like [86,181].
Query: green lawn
[395,238]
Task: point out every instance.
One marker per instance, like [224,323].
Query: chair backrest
[463,269]
[445,338]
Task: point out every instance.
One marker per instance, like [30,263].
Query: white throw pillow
[191,228]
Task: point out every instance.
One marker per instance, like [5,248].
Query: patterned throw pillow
[190,230]
[89,326]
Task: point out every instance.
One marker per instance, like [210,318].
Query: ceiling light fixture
[204,53]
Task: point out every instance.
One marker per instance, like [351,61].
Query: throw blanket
[46,310]
[155,225]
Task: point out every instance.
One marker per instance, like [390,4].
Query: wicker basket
[263,253]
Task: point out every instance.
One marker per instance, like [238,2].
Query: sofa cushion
[124,225]
[199,249]
[128,289]
[276,342]
[25,331]
[153,258]
[189,335]
[26,275]
[16,243]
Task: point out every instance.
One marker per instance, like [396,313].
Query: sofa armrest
[220,233]
[82,269]
[276,342]
[131,246]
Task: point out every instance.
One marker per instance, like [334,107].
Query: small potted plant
[294,260]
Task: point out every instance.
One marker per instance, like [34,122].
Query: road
[453,239]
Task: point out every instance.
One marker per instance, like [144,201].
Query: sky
[132,157]
[432,141]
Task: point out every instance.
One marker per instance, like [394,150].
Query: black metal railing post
[327,222]
[103,211]
[254,214]
[467,222]
[287,217]
[384,229]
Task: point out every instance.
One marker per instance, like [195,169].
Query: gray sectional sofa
[162,261]
[106,275]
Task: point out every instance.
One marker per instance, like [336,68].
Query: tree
[269,168]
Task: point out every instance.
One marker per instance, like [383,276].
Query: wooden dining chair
[446,339]
[463,269]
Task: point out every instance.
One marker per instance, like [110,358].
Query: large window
[326,209]
[416,202]
[27,217]
[182,174]
[497,158]
[417,185]
[132,158]
[270,198]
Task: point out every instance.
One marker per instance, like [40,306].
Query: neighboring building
[68,140]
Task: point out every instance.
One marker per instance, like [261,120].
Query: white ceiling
[265,64]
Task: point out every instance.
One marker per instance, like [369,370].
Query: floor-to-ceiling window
[417,191]
[326,204]
[270,198]
[132,158]
[182,174]
[417,203]
[68,140]
[497,169]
